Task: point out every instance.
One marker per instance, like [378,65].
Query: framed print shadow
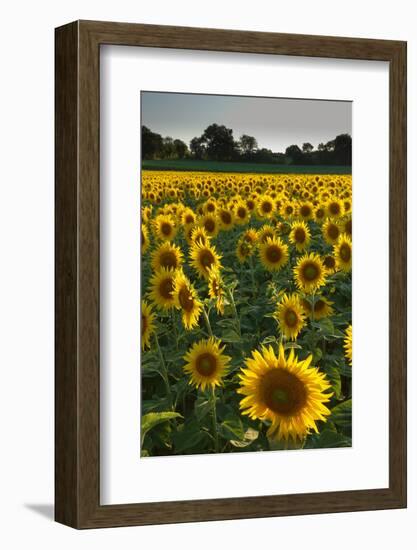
[230,328]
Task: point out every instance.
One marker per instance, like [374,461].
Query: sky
[276,123]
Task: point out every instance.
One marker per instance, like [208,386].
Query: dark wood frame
[77,374]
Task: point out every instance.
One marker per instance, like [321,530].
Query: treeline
[217,143]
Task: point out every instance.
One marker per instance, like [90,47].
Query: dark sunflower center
[226,218]
[166,229]
[244,249]
[305,211]
[165,288]
[300,235]
[189,219]
[209,225]
[348,227]
[319,213]
[206,259]
[241,212]
[329,262]
[250,205]
[291,318]
[142,238]
[210,207]
[206,364]
[144,324]
[266,207]
[333,231]
[289,210]
[345,252]
[283,392]
[215,288]
[334,208]
[168,259]
[186,299]
[274,253]
[319,306]
[310,271]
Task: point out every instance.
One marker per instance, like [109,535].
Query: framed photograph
[230,274]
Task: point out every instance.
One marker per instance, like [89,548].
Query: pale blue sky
[274,122]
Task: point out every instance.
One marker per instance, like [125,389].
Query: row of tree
[217,143]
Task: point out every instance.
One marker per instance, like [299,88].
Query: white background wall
[26,272]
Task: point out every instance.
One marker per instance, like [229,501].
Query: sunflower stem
[164,373]
[232,302]
[207,320]
[214,417]
[174,325]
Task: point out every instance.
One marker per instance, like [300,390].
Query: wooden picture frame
[77,382]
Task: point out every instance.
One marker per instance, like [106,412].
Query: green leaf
[152,419]
[188,436]
[342,414]
[327,439]
[230,336]
[202,407]
[232,428]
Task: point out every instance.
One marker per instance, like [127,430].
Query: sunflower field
[246,312]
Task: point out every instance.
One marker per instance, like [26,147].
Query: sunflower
[244,250]
[331,231]
[162,287]
[147,325]
[166,255]
[188,217]
[310,273]
[322,308]
[330,264]
[284,391]
[288,210]
[250,236]
[334,208]
[203,258]
[186,299]
[347,226]
[210,223]
[300,235]
[206,363]
[306,210]
[348,344]
[241,213]
[273,254]
[216,288]
[266,207]
[319,214]
[199,236]
[342,251]
[266,232]
[144,238]
[290,316]
[226,218]
[164,227]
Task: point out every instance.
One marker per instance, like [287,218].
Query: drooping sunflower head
[147,325]
[290,316]
[210,223]
[331,231]
[310,273]
[348,344]
[300,235]
[330,264]
[250,236]
[203,258]
[216,288]
[162,288]
[164,227]
[186,299]
[166,255]
[206,364]
[342,251]
[288,393]
[144,238]
[273,254]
